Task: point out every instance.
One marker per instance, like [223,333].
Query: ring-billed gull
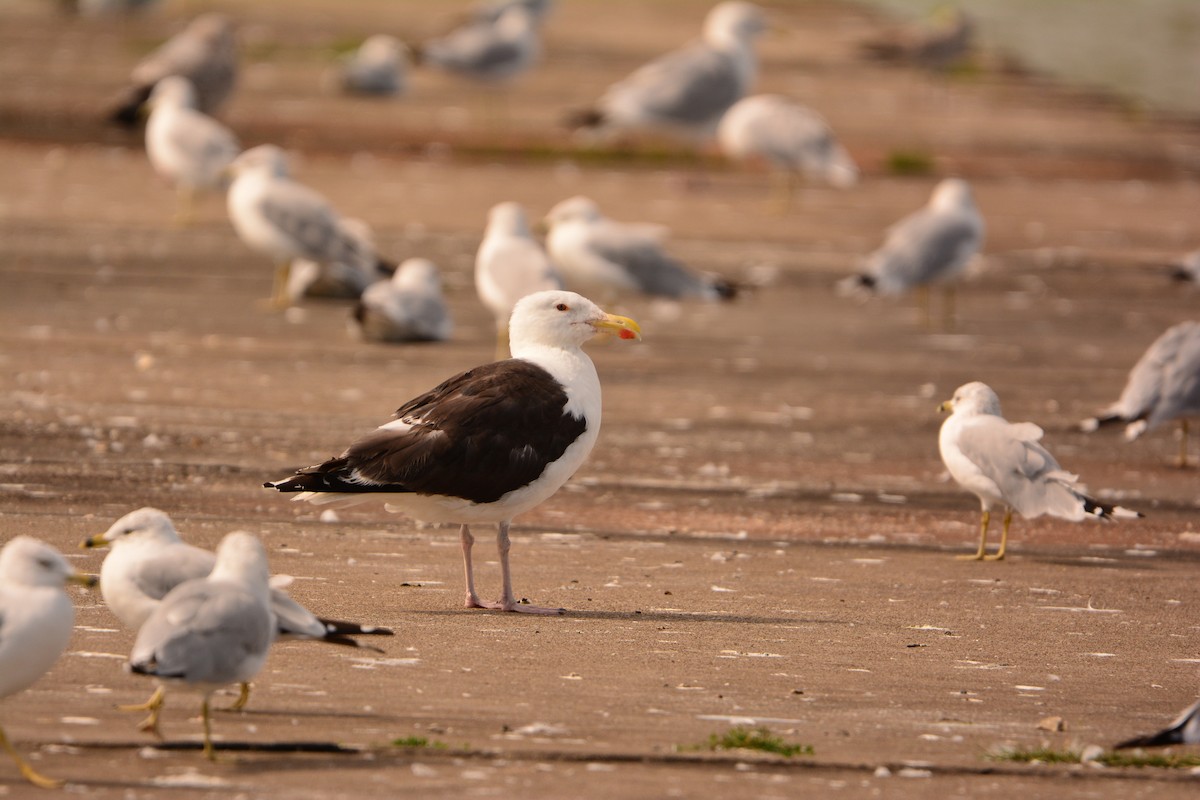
[336,280]
[1163,385]
[1002,464]
[285,220]
[493,52]
[686,91]
[408,308]
[188,148]
[205,53]
[509,265]
[600,255]
[930,246]
[1184,729]
[490,443]
[942,43]
[211,631]
[378,67]
[147,559]
[792,138]
[36,619]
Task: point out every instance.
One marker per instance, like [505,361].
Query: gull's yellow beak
[946,405]
[94,541]
[623,327]
[86,581]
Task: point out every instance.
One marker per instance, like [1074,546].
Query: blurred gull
[790,137]
[940,44]
[602,256]
[510,264]
[211,631]
[148,559]
[408,308]
[1188,268]
[492,52]
[492,10]
[36,619]
[336,279]
[205,53]
[686,91]
[1163,385]
[930,246]
[1002,464]
[378,67]
[286,220]
[1184,729]
[188,148]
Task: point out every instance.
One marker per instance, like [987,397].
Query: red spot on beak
[627,334]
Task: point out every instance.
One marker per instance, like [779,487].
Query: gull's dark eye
[563,307]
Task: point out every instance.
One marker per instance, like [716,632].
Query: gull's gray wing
[206,141]
[158,574]
[306,218]
[689,86]
[924,247]
[1180,377]
[641,256]
[205,53]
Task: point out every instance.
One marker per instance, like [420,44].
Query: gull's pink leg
[507,601]
[468,541]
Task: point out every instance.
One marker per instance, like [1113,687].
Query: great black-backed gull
[205,52]
[1184,729]
[686,91]
[36,619]
[490,443]
[148,559]
[930,246]
[1163,385]
[1002,463]
[285,220]
[510,264]
[211,631]
[603,256]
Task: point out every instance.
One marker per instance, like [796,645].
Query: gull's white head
[516,20]
[266,158]
[972,399]
[951,194]
[418,274]
[144,525]
[507,218]
[575,209]
[242,559]
[26,561]
[734,21]
[561,319]
[382,48]
[173,91]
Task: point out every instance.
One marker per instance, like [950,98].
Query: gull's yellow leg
[983,528]
[28,772]
[948,307]
[243,697]
[185,205]
[154,705]
[1003,538]
[279,295]
[210,752]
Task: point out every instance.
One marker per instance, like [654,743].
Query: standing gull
[686,91]
[1184,729]
[286,220]
[930,246]
[493,52]
[791,138]
[379,67]
[599,255]
[1163,385]
[1002,464]
[205,53]
[188,148]
[408,308]
[490,443]
[211,631]
[36,619]
[148,559]
[510,264]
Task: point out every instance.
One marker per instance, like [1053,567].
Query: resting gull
[685,92]
[488,444]
[495,51]
[148,559]
[188,148]
[408,308]
[378,67]
[1184,729]
[941,44]
[510,264]
[600,255]
[491,10]
[205,53]
[36,619]
[1163,385]
[792,138]
[930,246]
[211,631]
[338,280]
[1002,463]
[286,220]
